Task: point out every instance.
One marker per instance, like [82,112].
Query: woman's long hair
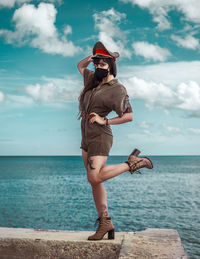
[94,83]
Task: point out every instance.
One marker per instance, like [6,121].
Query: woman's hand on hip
[100,120]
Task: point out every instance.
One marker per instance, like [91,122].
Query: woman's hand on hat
[90,58]
[96,118]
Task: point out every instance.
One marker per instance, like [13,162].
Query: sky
[41,43]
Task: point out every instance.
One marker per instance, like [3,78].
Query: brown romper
[112,96]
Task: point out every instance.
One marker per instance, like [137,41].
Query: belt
[89,116]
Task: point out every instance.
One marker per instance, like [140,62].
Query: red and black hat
[100,51]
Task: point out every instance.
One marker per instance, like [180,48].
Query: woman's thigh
[95,163]
[84,157]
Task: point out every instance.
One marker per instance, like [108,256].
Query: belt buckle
[89,116]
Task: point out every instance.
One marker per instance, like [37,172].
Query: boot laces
[97,220]
[135,164]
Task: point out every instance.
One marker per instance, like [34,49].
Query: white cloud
[190,9]
[55,90]
[188,42]
[41,92]
[168,73]
[150,51]
[189,94]
[18,101]
[154,94]
[107,22]
[11,3]
[160,9]
[171,128]
[2,96]
[35,26]
[194,130]
[51,92]
[156,90]
[67,30]
[144,125]
[160,17]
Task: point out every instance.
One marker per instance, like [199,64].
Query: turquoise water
[53,193]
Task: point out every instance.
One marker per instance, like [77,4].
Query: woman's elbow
[80,68]
[130,116]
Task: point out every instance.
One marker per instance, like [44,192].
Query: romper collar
[111,82]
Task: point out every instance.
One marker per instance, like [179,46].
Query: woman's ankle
[104,211]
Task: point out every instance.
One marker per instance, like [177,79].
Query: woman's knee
[94,166]
[93,178]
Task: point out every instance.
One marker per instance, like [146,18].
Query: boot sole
[151,166]
[111,235]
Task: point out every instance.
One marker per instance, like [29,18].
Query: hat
[100,51]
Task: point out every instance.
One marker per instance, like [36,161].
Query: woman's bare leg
[98,191]
[100,199]
[97,172]
[84,157]
[110,171]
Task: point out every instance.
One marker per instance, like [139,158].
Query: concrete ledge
[22,243]
[152,243]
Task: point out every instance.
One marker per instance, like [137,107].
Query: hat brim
[99,45]
[97,56]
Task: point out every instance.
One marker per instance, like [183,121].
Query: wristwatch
[106,120]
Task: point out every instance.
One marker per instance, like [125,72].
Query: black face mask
[100,73]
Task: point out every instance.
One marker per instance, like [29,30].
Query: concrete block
[152,243]
[23,243]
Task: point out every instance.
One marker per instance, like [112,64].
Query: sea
[52,192]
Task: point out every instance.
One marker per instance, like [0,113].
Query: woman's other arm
[126,117]
[84,64]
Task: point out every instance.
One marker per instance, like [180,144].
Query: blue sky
[41,43]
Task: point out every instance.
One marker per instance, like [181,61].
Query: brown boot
[105,226]
[136,163]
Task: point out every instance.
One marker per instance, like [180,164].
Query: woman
[102,93]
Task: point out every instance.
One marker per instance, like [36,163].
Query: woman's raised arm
[84,64]
[126,117]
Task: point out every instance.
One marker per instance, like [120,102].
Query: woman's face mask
[101,69]
[101,73]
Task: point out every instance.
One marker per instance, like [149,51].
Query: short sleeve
[120,102]
[88,76]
